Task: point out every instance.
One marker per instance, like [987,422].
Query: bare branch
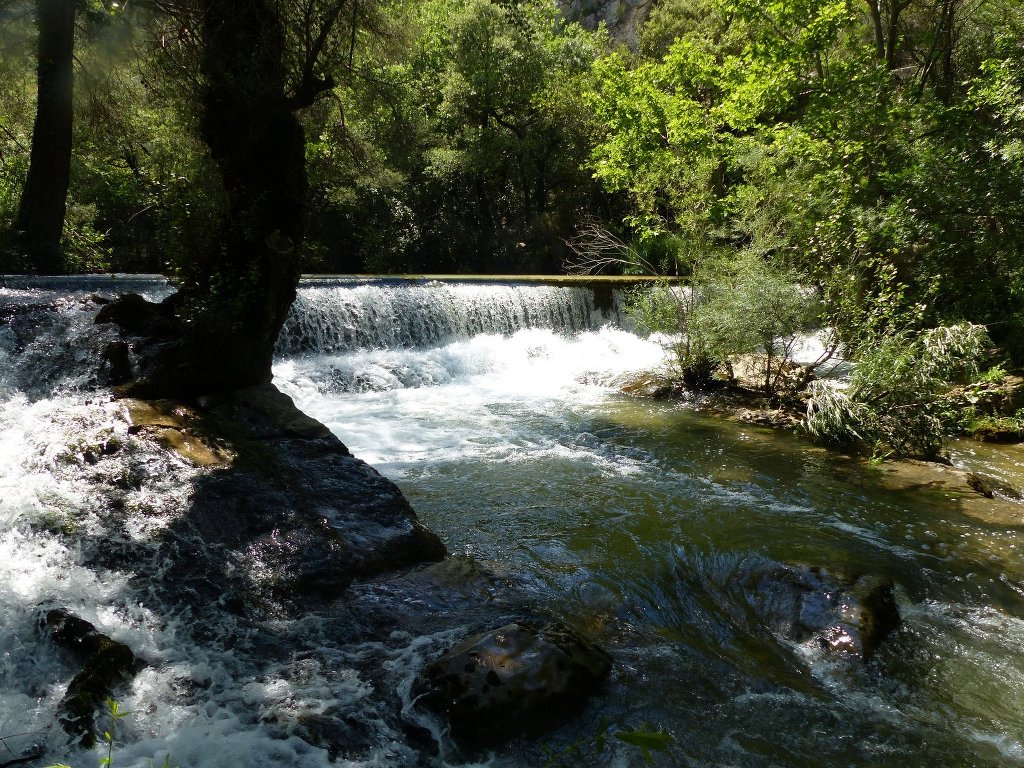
[594,249]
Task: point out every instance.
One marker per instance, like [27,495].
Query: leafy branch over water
[897,399]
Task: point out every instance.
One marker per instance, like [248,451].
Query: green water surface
[645,524]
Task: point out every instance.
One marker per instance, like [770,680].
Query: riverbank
[988,498]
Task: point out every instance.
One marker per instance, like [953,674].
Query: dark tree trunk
[258,144]
[44,198]
[875,12]
[885,21]
[218,333]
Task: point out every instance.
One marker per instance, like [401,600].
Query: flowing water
[643,523]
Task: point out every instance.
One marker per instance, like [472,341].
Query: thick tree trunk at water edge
[44,197]
[221,328]
[242,293]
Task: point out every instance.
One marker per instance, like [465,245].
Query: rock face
[285,512]
[807,605]
[514,680]
[621,17]
[105,663]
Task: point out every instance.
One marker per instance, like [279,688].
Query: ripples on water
[641,522]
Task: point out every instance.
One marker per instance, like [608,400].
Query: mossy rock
[997,430]
[105,663]
[838,614]
[177,428]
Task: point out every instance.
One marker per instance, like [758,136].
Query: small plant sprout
[115,713]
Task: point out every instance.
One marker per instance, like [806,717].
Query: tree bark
[218,332]
[885,19]
[875,12]
[258,144]
[44,197]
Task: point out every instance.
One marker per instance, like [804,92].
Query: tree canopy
[875,148]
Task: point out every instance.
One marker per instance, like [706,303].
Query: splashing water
[640,522]
[646,524]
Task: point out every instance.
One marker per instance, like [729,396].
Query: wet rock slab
[983,498]
[283,513]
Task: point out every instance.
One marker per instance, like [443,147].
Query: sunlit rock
[650,384]
[515,680]
[809,605]
[170,424]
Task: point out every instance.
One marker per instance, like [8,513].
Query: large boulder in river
[836,614]
[519,679]
[281,513]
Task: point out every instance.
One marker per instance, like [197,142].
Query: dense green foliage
[897,401]
[461,150]
[142,188]
[456,137]
[894,185]
[872,153]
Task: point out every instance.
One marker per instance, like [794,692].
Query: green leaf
[646,739]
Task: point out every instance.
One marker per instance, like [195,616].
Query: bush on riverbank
[744,308]
[898,401]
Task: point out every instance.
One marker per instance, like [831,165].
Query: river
[643,523]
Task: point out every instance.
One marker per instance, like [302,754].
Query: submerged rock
[982,497]
[105,664]
[519,679]
[809,605]
[651,384]
[991,487]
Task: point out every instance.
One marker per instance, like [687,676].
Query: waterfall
[352,315]
[48,341]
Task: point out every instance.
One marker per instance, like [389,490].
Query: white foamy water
[517,447]
[84,508]
[49,500]
[477,397]
[634,519]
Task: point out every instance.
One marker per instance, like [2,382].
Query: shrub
[896,402]
[743,306]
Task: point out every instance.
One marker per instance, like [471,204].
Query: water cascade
[342,315]
[673,539]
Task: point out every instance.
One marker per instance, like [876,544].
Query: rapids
[494,408]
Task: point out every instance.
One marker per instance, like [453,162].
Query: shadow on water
[271,641]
